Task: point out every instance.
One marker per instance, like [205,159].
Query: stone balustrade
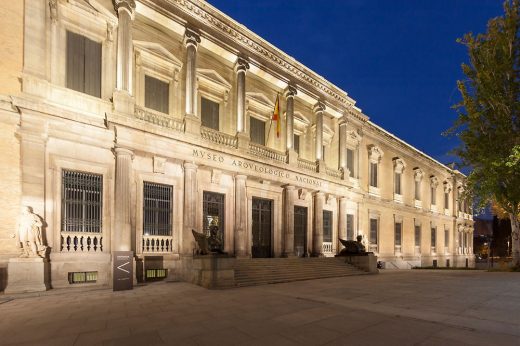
[265,152]
[218,137]
[159,119]
[334,173]
[157,244]
[308,165]
[81,242]
[327,248]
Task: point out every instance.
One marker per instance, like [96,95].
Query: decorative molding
[290,91]
[191,38]
[214,82]
[319,107]
[353,138]
[128,5]
[447,187]
[375,153]
[434,181]
[53,7]
[215,176]
[399,165]
[159,164]
[302,194]
[241,65]
[418,174]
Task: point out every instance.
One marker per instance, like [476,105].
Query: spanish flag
[276,116]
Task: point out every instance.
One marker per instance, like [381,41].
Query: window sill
[398,198]
[374,191]
[418,204]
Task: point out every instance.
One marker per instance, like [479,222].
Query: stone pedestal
[27,275]
[213,271]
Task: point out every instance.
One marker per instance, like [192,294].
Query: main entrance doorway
[213,216]
[262,227]
[300,231]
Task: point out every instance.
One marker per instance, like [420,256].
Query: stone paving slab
[393,308]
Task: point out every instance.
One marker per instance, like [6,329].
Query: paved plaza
[419,307]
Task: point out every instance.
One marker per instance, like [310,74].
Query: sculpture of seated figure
[352,247]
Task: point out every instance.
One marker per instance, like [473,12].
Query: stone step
[261,271]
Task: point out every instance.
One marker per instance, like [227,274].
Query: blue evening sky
[397,58]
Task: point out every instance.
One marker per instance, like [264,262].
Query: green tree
[488,122]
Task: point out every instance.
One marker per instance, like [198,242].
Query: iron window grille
[81,202]
[157,209]
[327,226]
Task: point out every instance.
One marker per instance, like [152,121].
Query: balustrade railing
[308,165]
[81,242]
[326,247]
[262,151]
[335,173]
[159,119]
[218,137]
[157,244]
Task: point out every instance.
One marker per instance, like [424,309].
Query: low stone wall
[366,262]
[213,271]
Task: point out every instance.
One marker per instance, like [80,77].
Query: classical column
[191,41]
[190,207]
[123,101]
[318,109]
[342,219]
[240,216]
[122,232]
[289,194]
[317,234]
[342,162]
[241,68]
[289,94]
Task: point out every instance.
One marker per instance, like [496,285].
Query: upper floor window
[433,195]
[373,174]
[83,64]
[209,112]
[417,190]
[296,144]
[156,94]
[397,183]
[446,200]
[446,237]
[81,203]
[257,128]
[157,209]
[350,161]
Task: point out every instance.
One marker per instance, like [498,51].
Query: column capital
[241,177]
[125,5]
[289,187]
[290,91]
[119,151]
[319,194]
[241,65]
[343,120]
[319,107]
[191,38]
[190,165]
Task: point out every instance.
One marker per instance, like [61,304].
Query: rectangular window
[446,200]
[209,112]
[433,197]
[373,174]
[417,230]
[418,190]
[398,227]
[156,94]
[213,221]
[350,162]
[83,64]
[296,144]
[257,128]
[327,226]
[397,183]
[157,209]
[434,237]
[373,231]
[350,227]
[81,202]
[446,238]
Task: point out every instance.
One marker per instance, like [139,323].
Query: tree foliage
[488,122]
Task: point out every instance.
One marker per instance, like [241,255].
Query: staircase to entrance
[262,271]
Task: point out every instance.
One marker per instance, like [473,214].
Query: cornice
[204,13]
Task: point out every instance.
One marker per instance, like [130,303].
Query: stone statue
[207,244]
[352,247]
[29,235]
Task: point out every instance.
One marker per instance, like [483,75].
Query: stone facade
[48,129]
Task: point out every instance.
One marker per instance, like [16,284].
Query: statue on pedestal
[29,235]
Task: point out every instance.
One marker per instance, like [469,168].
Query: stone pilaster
[122,233]
[342,162]
[318,109]
[289,194]
[123,100]
[317,234]
[289,94]
[191,120]
[241,68]
[190,207]
[342,218]
[240,216]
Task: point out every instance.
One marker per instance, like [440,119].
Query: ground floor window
[373,231]
[157,209]
[398,227]
[213,216]
[434,238]
[327,226]
[350,227]
[417,235]
[81,202]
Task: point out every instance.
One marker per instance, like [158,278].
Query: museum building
[127,124]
